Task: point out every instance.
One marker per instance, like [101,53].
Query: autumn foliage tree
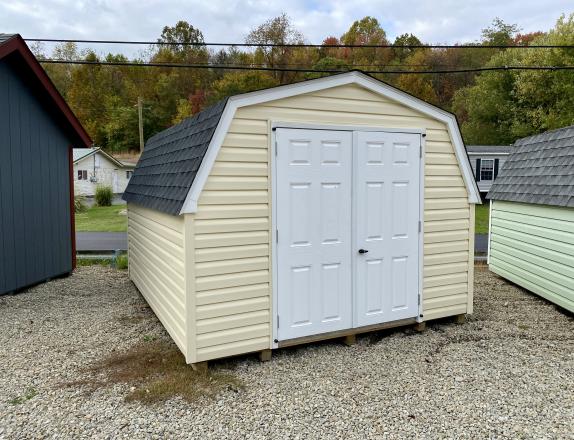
[492,107]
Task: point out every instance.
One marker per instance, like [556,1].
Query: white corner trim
[258,97]
[489,231]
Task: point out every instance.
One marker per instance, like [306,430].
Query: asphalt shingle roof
[489,149]
[170,161]
[78,153]
[539,170]
[5,37]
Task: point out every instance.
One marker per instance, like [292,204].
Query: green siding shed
[531,239]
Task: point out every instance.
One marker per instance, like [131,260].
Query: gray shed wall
[35,222]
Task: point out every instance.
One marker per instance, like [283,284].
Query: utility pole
[140,117]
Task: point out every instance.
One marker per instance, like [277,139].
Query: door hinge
[419,300]
[276,235]
[277,321]
[275,147]
[420,151]
[420,226]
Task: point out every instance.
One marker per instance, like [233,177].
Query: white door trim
[273,233]
[310,126]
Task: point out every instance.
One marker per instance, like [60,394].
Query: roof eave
[252,98]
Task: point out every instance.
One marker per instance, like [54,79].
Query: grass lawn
[481,218]
[102,219]
[108,219]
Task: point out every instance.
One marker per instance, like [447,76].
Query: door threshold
[346,332]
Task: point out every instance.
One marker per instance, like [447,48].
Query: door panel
[386,205]
[338,192]
[313,218]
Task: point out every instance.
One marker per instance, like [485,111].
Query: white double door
[347,218]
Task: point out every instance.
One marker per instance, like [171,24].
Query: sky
[437,21]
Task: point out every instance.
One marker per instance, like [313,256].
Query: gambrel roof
[539,170]
[175,164]
[170,161]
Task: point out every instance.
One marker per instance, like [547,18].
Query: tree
[327,63]
[405,40]
[499,33]
[505,105]
[419,85]
[235,83]
[61,74]
[179,37]
[366,32]
[278,30]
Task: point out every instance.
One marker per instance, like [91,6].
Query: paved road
[101,241]
[110,241]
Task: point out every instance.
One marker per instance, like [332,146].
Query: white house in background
[94,167]
[486,161]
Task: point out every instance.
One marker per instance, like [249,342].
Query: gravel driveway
[507,373]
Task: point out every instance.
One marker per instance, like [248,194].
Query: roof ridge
[544,133]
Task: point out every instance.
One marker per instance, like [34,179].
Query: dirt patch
[156,371]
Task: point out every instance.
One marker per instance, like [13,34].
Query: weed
[131,319]
[80,262]
[80,203]
[122,262]
[30,393]
[156,372]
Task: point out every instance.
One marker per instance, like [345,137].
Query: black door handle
[363,251]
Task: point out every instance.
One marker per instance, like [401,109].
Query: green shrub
[122,262]
[80,204]
[104,195]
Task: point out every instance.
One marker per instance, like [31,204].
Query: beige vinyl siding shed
[205,246]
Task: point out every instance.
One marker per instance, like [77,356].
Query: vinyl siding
[103,169]
[157,266]
[533,246]
[233,221]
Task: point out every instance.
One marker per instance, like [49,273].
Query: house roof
[82,153]
[175,164]
[498,150]
[13,48]
[539,170]
[170,161]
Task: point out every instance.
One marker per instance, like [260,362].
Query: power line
[305,45]
[283,69]
[219,64]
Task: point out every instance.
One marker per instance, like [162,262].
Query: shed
[37,133]
[94,167]
[531,239]
[308,211]
[487,160]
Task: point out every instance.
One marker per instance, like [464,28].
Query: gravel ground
[508,372]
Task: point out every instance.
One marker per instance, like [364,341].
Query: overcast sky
[436,21]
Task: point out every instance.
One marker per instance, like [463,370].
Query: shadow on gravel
[155,371]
